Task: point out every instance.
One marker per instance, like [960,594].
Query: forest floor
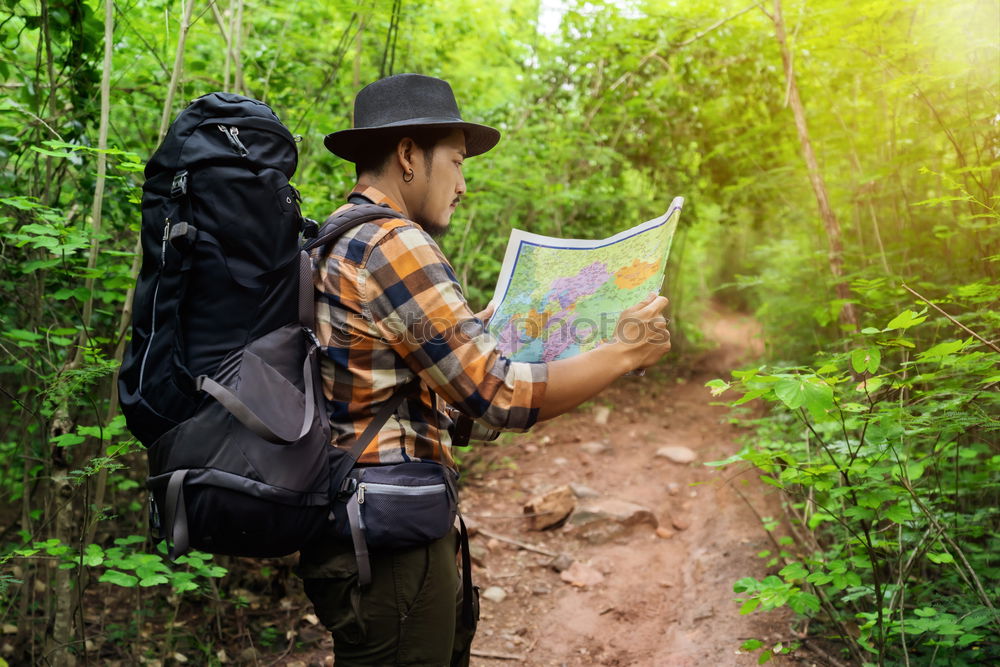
[665,596]
[652,587]
[643,594]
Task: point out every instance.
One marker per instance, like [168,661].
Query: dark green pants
[409,615]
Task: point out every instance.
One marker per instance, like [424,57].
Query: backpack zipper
[233,135]
[152,334]
[156,291]
[163,245]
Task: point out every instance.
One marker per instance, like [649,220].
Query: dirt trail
[666,599]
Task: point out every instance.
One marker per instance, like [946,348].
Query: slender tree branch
[961,326]
[714,26]
[175,75]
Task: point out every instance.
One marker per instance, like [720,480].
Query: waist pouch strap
[468,612]
[360,545]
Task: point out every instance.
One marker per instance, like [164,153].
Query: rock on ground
[601,415]
[583,491]
[494,594]
[602,520]
[677,454]
[549,509]
[594,448]
[581,575]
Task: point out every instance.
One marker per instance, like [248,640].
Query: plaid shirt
[388,309]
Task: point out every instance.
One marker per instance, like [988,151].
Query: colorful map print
[559,297]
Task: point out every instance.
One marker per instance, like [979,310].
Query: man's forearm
[576,379]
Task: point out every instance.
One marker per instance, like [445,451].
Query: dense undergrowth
[886,445]
[883,431]
[888,453]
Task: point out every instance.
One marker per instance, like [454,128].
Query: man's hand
[486,313]
[642,332]
[641,338]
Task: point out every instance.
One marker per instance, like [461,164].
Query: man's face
[441,185]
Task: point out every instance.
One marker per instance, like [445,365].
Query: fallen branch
[498,656]
[518,543]
[522,515]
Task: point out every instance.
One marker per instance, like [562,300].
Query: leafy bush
[888,454]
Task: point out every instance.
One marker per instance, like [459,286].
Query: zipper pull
[166,237]
[232,134]
[361,493]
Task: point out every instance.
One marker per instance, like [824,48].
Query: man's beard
[433,229]
[437,232]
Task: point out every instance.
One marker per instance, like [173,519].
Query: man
[389,309]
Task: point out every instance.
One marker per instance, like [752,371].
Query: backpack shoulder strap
[340,222]
[335,226]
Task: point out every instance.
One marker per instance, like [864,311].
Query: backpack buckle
[309,228]
[179,186]
[312,336]
[182,237]
[348,487]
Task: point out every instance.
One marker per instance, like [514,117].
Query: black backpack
[221,379]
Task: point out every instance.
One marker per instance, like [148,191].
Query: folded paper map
[559,297]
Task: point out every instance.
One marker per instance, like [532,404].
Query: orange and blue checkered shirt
[389,308]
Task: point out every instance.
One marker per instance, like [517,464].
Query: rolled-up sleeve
[411,296]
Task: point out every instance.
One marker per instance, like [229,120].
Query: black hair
[383,146]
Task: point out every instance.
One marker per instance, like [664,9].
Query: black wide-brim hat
[402,101]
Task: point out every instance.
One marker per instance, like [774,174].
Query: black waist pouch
[395,507]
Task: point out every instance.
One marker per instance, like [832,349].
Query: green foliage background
[606,116]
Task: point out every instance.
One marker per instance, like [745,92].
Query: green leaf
[119,579]
[751,645]
[749,606]
[898,513]
[45,151]
[21,203]
[969,638]
[153,580]
[67,439]
[23,334]
[717,386]
[793,572]
[942,350]
[941,558]
[751,395]
[870,385]
[819,578]
[93,555]
[764,657]
[772,481]
[868,359]
[905,320]
[789,392]
[804,603]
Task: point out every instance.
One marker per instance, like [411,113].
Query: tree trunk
[358,51]
[236,35]
[848,316]
[102,143]
[62,638]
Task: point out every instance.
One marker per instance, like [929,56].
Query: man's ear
[405,150]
